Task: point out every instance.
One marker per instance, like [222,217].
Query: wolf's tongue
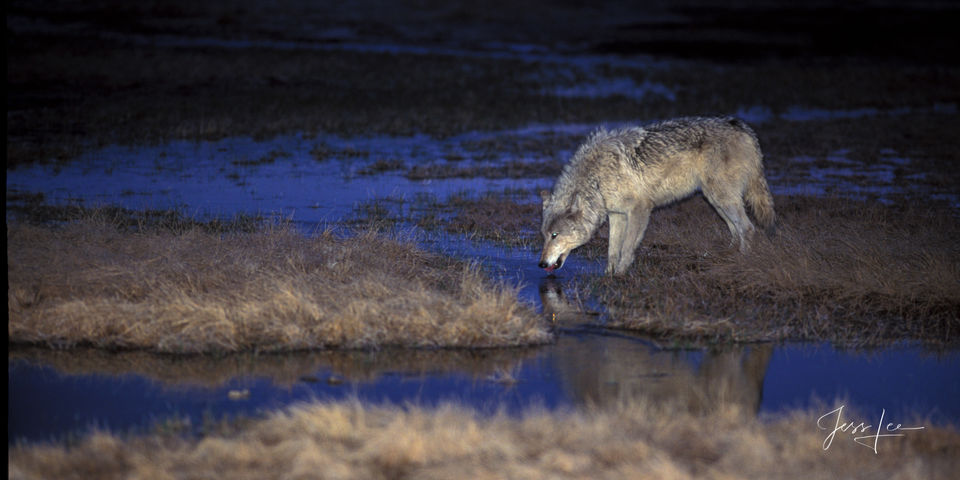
[551,268]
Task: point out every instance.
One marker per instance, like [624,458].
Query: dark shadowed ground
[83,74]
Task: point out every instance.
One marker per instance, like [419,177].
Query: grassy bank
[633,440]
[93,282]
[841,270]
[836,270]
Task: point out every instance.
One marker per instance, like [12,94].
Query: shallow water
[285,175]
[53,395]
[57,394]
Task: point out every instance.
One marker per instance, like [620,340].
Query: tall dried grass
[90,283]
[637,439]
[837,269]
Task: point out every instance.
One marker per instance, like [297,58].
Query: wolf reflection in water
[619,370]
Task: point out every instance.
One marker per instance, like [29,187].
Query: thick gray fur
[622,175]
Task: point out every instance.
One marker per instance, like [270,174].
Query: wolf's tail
[761,202]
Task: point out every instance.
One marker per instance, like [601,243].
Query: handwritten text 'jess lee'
[852,428]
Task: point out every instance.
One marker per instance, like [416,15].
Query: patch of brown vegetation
[513,169]
[924,138]
[633,440]
[90,283]
[34,209]
[493,216]
[838,270]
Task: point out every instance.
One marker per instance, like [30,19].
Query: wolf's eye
[554,235]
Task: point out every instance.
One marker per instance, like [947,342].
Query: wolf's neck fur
[578,187]
[586,201]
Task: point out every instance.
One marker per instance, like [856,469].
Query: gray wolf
[622,175]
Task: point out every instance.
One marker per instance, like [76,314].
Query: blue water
[903,381]
[45,404]
[50,397]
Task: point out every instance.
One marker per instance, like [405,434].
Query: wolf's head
[564,228]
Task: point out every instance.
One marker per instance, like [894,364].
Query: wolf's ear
[545,196]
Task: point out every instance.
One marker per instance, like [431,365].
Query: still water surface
[61,393]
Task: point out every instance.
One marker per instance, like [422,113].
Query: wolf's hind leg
[637,219]
[734,234]
[738,222]
[730,209]
[745,228]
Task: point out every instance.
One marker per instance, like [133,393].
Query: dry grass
[513,169]
[90,283]
[493,216]
[839,270]
[637,439]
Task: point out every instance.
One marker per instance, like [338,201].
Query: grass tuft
[636,439]
[90,283]
[837,270]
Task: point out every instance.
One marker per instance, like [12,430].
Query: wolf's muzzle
[546,266]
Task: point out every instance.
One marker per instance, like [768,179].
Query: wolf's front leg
[610,268]
[617,222]
[636,224]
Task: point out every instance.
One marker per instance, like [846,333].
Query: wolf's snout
[546,266]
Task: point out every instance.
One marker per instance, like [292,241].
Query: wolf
[621,175]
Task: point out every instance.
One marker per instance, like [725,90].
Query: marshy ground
[836,269]
[95,283]
[444,122]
